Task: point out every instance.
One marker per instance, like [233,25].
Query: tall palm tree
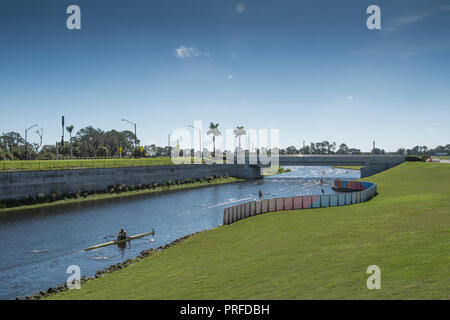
[214,130]
[238,132]
[69,130]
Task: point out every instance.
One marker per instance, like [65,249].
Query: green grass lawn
[39,165]
[274,170]
[309,254]
[36,165]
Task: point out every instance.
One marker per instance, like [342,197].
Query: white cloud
[188,52]
[240,8]
[406,20]
[436,124]
[350,98]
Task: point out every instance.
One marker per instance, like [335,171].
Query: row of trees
[425,151]
[88,142]
[94,143]
[326,147]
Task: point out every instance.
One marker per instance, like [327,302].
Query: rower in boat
[122,235]
[121,238]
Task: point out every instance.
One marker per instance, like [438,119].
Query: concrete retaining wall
[23,185]
[300,202]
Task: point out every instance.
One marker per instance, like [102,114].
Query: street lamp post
[26,136]
[135,136]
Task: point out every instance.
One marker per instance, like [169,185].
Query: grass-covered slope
[349,167]
[38,165]
[309,254]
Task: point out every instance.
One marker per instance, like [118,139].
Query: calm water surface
[39,245]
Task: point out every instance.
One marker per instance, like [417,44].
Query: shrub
[102,151]
[413,158]
[56,196]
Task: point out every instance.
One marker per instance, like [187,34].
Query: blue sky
[309,68]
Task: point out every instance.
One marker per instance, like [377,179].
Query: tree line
[326,147]
[90,142]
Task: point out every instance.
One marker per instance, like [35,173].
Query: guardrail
[367,155]
[248,209]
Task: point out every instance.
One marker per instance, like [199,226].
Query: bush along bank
[282,170]
[101,273]
[113,191]
[416,158]
[273,171]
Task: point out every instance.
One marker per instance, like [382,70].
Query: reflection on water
[39,245]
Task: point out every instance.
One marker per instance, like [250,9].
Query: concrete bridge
[372,163]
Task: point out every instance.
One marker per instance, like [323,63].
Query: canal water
[38,245]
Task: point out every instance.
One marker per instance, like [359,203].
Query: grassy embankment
[274,170]
[106,195]
[73,164]
[349,167]
[36,165]
[309,254]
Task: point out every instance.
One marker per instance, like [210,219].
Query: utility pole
[26,136]
[135,135]
[168,147]
[62,137]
